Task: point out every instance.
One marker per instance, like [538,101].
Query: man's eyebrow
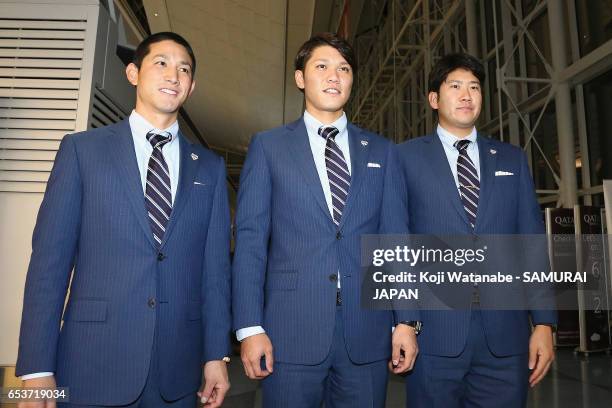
[327,61]
[180,62]
[461,82]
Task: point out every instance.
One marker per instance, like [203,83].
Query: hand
[403,340]
[216,384]
[541,354]
[251,350]
[48,383]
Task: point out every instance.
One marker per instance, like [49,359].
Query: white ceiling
[244,77]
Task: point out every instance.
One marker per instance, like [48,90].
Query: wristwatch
[416,325]
[552,326]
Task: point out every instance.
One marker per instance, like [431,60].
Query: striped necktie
[337,172]
[158,196]
[469,184]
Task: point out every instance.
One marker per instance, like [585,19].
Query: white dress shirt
[171,152]
[317,145]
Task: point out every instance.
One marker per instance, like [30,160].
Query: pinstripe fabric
[506,206]
[93,218]
[289,250]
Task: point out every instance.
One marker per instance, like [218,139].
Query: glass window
[594,23]
[598,105]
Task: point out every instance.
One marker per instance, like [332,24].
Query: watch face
[417,326]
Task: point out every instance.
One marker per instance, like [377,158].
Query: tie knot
[327,132]
[461,145]
[159,139]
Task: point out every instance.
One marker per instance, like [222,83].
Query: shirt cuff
[36,375]
[242,334]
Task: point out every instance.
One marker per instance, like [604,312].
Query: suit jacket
[288,249]
[507,205]
[124,290]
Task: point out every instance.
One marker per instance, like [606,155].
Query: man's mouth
[333,91]
[169,91]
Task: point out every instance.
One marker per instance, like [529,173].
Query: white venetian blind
[40,70]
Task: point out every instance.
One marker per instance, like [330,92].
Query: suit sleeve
[541,297]
[54,246]
[394,218]
[216,285]
[253,220]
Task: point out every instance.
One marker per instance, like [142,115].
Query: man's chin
[334,108]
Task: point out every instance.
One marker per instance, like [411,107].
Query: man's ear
[299,78]
[192,88]
[131,72]
[433,100]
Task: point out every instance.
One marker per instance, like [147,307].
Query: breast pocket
[202,187]
[507,183]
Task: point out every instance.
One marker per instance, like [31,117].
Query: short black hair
[320,39]
[451,62]
[144,47]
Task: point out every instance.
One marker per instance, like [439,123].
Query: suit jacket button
[333,277]
[161,256]
[151,302]
[338,235]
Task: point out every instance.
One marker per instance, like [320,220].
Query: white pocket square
[374,165]
[197,183]
[503,173]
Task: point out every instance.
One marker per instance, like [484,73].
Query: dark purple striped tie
[469,184]
[337,171]
[158,195]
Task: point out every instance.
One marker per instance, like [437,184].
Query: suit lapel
[439,163]
[125,161]
[488,162]
[359,157]
[304,161]
[188,166]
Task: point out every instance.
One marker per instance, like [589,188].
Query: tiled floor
[574,382]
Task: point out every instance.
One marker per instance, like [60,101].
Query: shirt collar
[448,139]
[313,124]
[140,126]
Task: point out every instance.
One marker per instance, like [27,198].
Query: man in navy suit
[142,217]
[308,191]
[461,182]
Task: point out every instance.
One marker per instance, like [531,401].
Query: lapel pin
[364,142]
[194,156]
[493,151]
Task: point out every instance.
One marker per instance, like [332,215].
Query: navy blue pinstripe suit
[125,291]
[507,206]
[288,249]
